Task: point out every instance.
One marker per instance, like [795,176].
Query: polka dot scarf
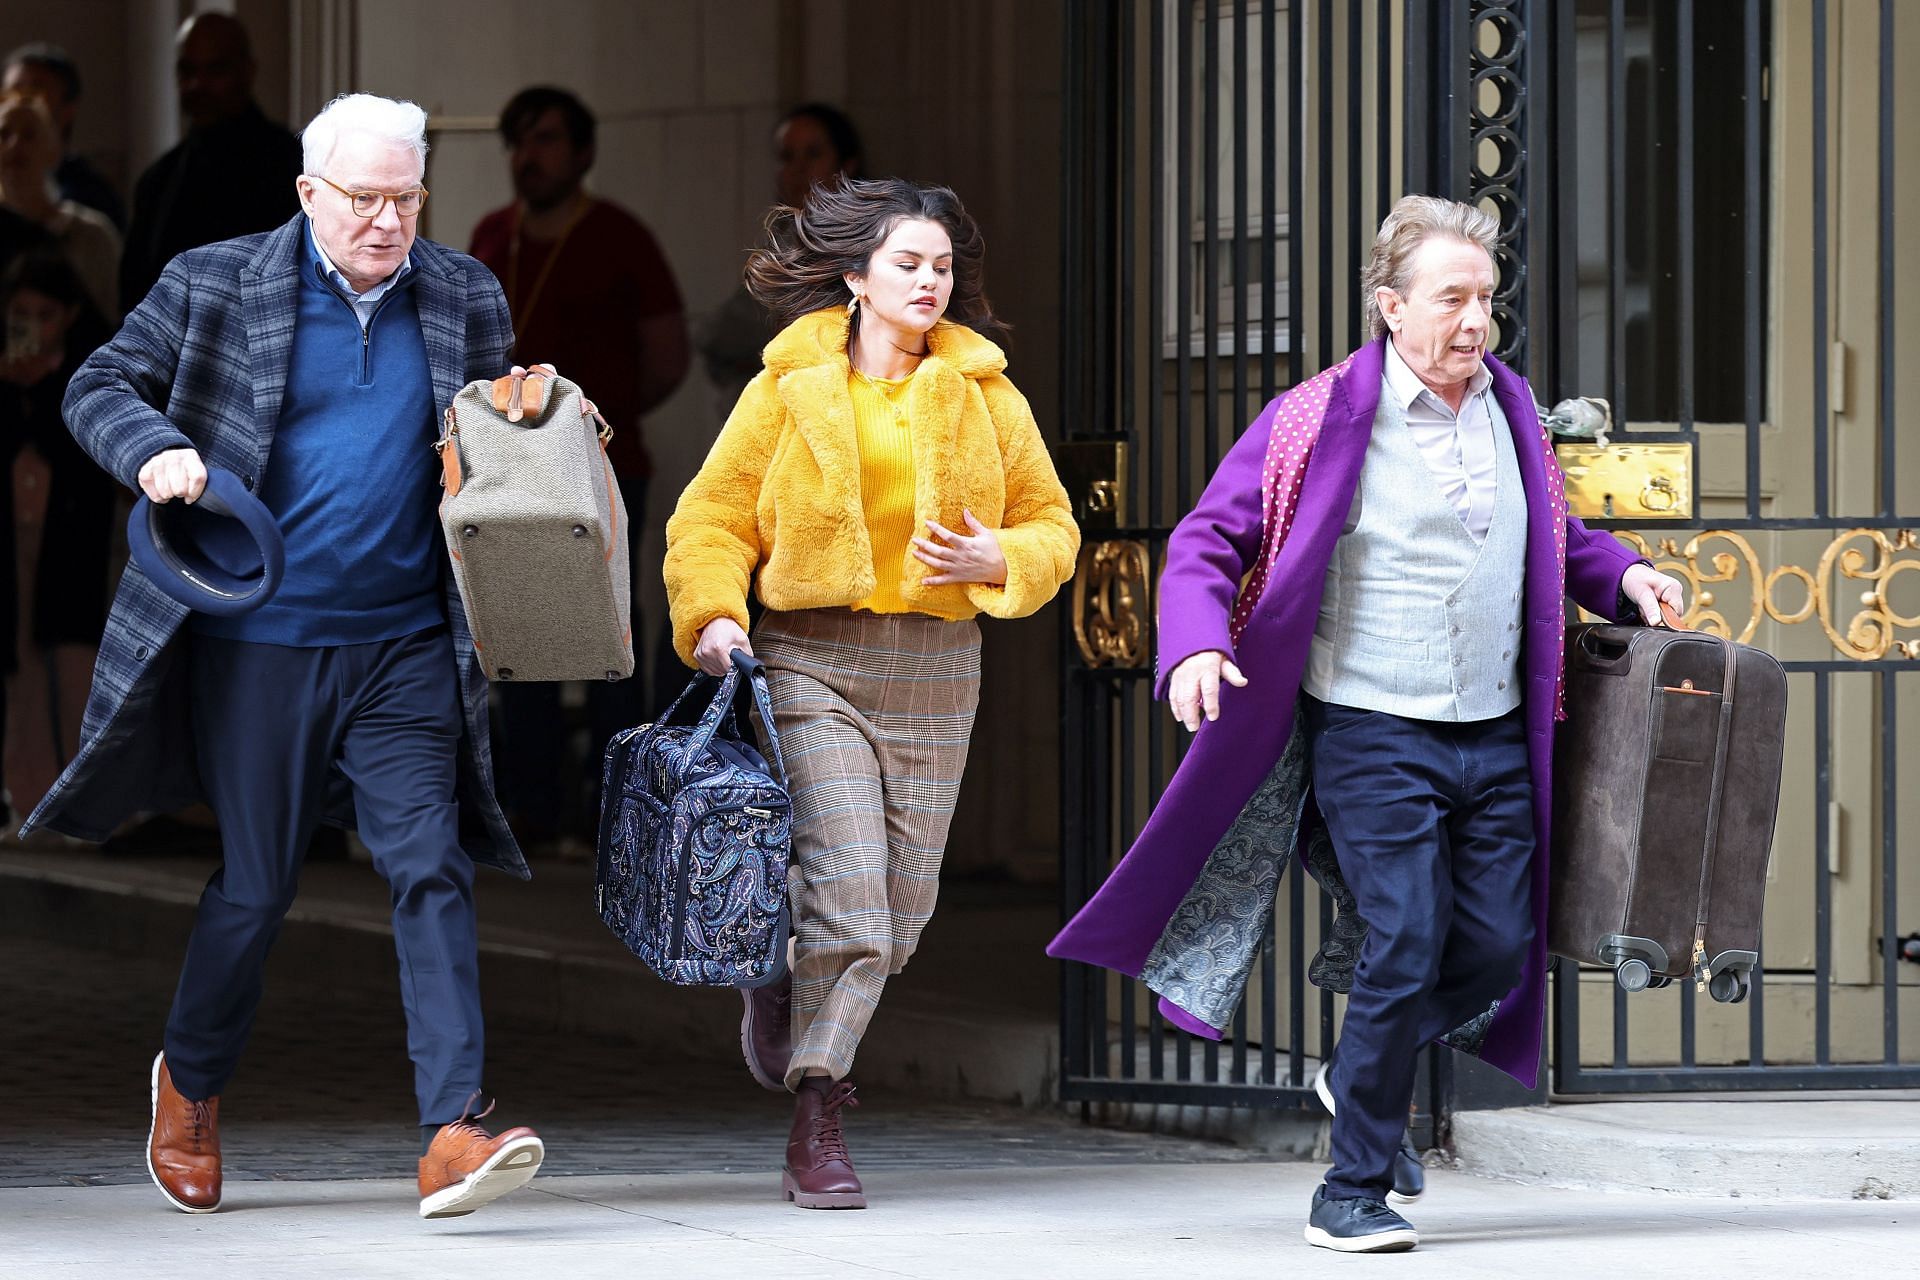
[1296,425]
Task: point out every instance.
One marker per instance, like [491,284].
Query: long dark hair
[810,249]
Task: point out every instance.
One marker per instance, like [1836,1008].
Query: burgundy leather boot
[766,1032]
[819,1174]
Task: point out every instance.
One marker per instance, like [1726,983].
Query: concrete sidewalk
[1109,1223]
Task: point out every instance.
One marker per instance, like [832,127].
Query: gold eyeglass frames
[368,204]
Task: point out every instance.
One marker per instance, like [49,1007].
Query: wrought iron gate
[1225,164]
[1772,200]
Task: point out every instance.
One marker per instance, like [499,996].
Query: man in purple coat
[1400,528]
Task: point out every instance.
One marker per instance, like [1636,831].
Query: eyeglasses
[368,204]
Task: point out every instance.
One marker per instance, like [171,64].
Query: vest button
[140,652]
[247,483]
[1503,684]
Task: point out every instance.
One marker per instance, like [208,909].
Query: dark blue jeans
[1432,824]
[269,724]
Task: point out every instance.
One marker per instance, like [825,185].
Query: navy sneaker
[1358,1226]
[1409,1175]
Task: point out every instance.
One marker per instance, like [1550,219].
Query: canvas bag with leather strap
[537,531]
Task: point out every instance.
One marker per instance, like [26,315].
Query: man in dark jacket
[308,361]
[230,176]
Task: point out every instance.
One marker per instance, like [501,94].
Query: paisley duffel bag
[695,837]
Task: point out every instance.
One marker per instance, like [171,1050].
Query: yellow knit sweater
[778,508]
[885,437]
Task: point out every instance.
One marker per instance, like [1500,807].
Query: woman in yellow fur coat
[880,483]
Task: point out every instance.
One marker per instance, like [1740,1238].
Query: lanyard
[523,311]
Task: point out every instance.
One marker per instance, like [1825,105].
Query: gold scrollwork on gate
[1870,556]
[1109,598]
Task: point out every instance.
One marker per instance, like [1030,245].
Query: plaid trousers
[874,713]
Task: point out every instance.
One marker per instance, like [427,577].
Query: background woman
[880,483]
[30,150]
[55,542]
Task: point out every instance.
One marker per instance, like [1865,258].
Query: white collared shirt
[364,304]
[1458,448]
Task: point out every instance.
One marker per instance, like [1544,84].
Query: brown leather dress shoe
[466,1167]
[183,1145]
[766,1032]
[819,1173]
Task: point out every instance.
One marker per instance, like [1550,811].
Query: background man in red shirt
[590,291]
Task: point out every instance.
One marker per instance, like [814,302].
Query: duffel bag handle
[744,664]
[756,673]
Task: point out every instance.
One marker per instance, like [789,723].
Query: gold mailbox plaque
[1623,481]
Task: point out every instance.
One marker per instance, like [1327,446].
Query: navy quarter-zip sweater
[351,477]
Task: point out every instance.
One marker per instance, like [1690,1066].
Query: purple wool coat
[1211,553]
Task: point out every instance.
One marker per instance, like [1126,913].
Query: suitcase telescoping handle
[1717,791]
[1670,618]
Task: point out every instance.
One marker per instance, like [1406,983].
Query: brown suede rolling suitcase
[1666,783]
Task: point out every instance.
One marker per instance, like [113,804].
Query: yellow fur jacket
[777,502]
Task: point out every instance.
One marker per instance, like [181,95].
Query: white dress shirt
[363,303]
[1458,448]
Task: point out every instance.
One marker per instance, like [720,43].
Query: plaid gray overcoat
[202,362]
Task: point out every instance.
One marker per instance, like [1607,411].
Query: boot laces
[829,1138]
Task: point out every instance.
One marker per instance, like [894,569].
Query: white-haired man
[309,362]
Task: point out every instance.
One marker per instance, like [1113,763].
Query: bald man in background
[232,175]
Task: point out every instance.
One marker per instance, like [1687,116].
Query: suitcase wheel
[1633,974]
[1729,986]
[1660,980]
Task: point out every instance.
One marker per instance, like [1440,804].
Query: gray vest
[1418,618]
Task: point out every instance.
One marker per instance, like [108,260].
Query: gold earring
[853,304]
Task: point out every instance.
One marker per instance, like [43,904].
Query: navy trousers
[1432,824]
[269,725]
